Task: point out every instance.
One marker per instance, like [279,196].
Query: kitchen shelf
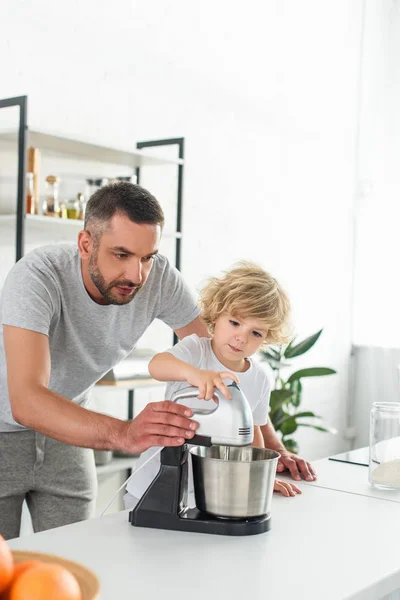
[40,228]
[54,144]
[67,147]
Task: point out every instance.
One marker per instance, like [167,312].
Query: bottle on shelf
[33,164]
[82,206]
[51,205]
[63,210]
[30,195]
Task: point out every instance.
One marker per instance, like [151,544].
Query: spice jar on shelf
[51,206]
[73,208]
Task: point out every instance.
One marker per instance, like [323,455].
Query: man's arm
[38,408]
[298,467]
[196,326]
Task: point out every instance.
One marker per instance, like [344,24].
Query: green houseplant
[286,396]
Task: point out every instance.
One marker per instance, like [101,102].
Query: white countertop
[350,478]
[324,544]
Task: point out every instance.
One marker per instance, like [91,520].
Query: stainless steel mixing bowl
[234,482]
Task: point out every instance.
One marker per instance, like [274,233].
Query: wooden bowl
[88,582]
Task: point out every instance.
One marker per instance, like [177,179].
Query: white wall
[266,97]
[377,289]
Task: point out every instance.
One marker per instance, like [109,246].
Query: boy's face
[237,338]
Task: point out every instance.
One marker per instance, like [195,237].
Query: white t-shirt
[198,352]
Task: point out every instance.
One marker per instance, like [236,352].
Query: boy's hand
[286,488]
[298,467]
[206,381]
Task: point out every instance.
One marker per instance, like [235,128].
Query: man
[69,315]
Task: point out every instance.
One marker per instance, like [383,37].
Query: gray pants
[57,481]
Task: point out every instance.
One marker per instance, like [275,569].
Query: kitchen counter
[350,478]
[325,544]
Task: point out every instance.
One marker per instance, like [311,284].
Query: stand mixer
[164,504]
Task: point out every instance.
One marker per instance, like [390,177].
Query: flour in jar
[387,473]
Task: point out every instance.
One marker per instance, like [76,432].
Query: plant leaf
[289,346]
[296,388]
[276,353]
[284,417]
[306,414]
[278,398]
[266,354]
[302,347]
[288,426]
[311,372]
[291,445]
[319,428]
[276,418]
[273,363]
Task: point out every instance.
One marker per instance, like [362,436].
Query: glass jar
[384,447]
[82,206]
[92,185]
[128,178]
[51,206]
[30,195]
[73,209]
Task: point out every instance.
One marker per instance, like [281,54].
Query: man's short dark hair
[124,198]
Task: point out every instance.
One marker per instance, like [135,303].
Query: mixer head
[230,423]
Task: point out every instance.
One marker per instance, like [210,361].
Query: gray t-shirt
[44,292]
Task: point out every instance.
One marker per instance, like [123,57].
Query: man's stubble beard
[104,289]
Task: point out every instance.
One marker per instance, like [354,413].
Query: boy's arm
[298,467]
[283,487]
[258,440]
[166,367]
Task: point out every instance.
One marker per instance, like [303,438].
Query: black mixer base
[200,522]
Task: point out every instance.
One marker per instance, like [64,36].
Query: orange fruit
[6,564]
[47,581]
[19,568]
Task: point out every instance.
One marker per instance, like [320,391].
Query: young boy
[244,310]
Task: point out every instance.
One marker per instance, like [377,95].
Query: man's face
[121,263]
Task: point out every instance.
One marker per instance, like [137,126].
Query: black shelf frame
[22,103]
[180,142]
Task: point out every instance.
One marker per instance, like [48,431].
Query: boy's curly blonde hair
[247,291]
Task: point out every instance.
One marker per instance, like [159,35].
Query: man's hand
[159,424]
[299,468]
[206,381]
